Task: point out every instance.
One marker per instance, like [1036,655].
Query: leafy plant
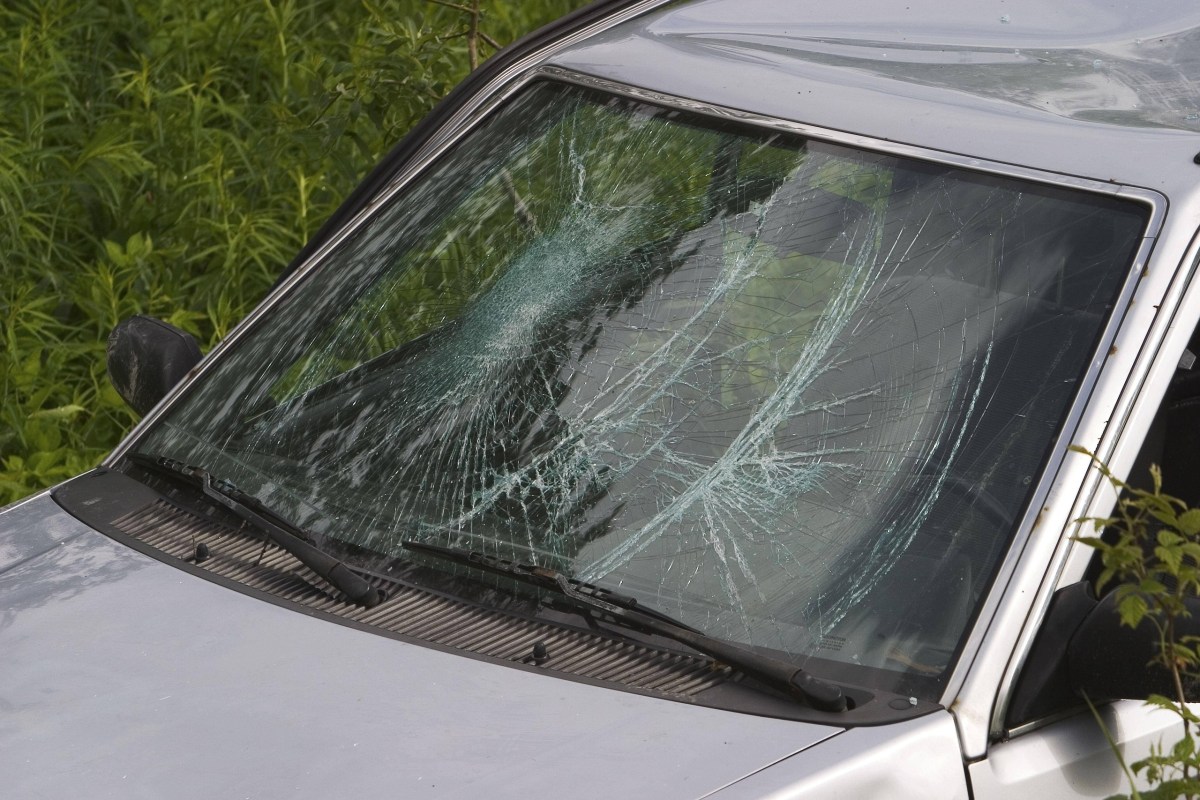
[169,158]
[1152,553]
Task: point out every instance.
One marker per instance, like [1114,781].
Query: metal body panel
[123,677]
[1072,758]
[29,532]
[1071,88]
[914,760]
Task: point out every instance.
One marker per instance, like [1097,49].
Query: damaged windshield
[791,393]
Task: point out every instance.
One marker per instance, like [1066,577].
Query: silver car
[681,411]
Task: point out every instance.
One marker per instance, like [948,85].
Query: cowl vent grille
[240,555]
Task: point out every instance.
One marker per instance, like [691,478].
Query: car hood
[124,677]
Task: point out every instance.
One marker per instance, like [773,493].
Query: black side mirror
[146,358]
[1082,648]
[1110,661]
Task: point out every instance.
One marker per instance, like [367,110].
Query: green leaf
[1189,522]
[1167,537]
[1149,586]
[1132,609]
[66,412]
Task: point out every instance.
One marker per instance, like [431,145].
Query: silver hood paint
[122,677]
[28,532]
[1072,87]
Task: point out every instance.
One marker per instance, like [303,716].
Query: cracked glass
[792,393]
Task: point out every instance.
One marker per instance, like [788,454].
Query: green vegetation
[169,158]
[1152,554]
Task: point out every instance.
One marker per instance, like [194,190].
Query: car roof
[1101,89]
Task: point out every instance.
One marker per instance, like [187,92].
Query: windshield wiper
[287,536]
[773,672]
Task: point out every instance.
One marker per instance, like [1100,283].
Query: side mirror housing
[1082,648]
[146,358]
[1111,661]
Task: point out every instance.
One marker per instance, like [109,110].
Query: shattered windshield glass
[792,393]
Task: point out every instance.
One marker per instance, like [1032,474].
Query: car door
[1071,757]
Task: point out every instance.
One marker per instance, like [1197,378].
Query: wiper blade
[773,672]
[286,535]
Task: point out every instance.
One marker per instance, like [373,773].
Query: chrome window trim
[533,69]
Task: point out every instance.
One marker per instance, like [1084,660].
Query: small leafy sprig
[1151,550]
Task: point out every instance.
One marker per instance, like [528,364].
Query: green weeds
[1152,556]
[169,158]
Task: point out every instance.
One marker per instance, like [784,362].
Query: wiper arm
[773,672]
[283,533]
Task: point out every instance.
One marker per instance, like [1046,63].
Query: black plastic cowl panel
[164,525]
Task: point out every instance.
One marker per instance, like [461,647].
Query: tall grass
[169,158]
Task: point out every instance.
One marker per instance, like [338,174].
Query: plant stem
[473,36]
